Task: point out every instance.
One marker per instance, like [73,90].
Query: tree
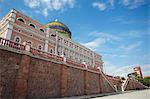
[145,81]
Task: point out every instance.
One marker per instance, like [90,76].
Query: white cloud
[115,70]
[111,2]
[100,39]
[131,4]
[109,36]
[135,34]
[45,12]
[146,69]
[99,5]
[105,35]
[49,5]
[95,44]
[115,55]
[131,46]
[125,2]
[125,70]
[32,3]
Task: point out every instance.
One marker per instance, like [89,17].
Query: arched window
[41,30]
[29,42]
[21,19]
[40,47]
[51,50]
[17,39]
[32,25]
[53,35]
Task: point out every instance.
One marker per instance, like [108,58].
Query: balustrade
[18,46]
[11,44]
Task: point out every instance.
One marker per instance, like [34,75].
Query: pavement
[142,94]
[135,94]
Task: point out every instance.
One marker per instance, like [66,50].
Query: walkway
[143,94]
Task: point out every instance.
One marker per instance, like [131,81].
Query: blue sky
[116,29]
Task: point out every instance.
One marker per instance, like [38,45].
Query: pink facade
[54,37]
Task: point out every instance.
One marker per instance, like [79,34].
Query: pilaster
[21,86]
[64,81]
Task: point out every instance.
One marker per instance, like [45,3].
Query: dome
[61,28]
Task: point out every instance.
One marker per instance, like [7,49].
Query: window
[51,50]
[53,35]
[30,43]
[21,20]
[17,39]
[32,25]
[41,30]
[40,47]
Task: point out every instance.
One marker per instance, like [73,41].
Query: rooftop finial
[56,20]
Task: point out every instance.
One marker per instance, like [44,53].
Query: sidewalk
[97,95]
[91,96]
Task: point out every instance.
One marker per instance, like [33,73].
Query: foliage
[145,81]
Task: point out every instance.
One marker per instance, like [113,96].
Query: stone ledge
[38,57]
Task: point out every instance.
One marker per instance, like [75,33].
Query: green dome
[61,28]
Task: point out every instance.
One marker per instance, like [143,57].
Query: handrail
[11,44]
[45,54]
[108,80]
[34,51]
[69,61]
[125,83]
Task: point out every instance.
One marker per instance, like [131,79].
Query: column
[21,86]
[46,40]
[93,59]
[12,18]
[56,44]
[64,79]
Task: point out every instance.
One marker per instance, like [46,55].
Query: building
[53,37]
[147,77]
[138,72]
[132,76]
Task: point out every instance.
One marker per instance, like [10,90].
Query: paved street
[144,94]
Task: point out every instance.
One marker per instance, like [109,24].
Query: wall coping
[24,52]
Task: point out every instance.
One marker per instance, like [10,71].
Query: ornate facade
[54,38]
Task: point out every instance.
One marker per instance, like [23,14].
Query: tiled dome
[60,27]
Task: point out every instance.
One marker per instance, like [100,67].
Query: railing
[11,44]
[93,68]
[45,54]
[68,61]
[18,46]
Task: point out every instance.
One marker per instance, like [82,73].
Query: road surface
[142,94]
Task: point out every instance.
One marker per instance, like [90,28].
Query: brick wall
[75,82]
[9,64]
[92,85]
[134,85]
[23,76]
[105,86]
[44,79]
